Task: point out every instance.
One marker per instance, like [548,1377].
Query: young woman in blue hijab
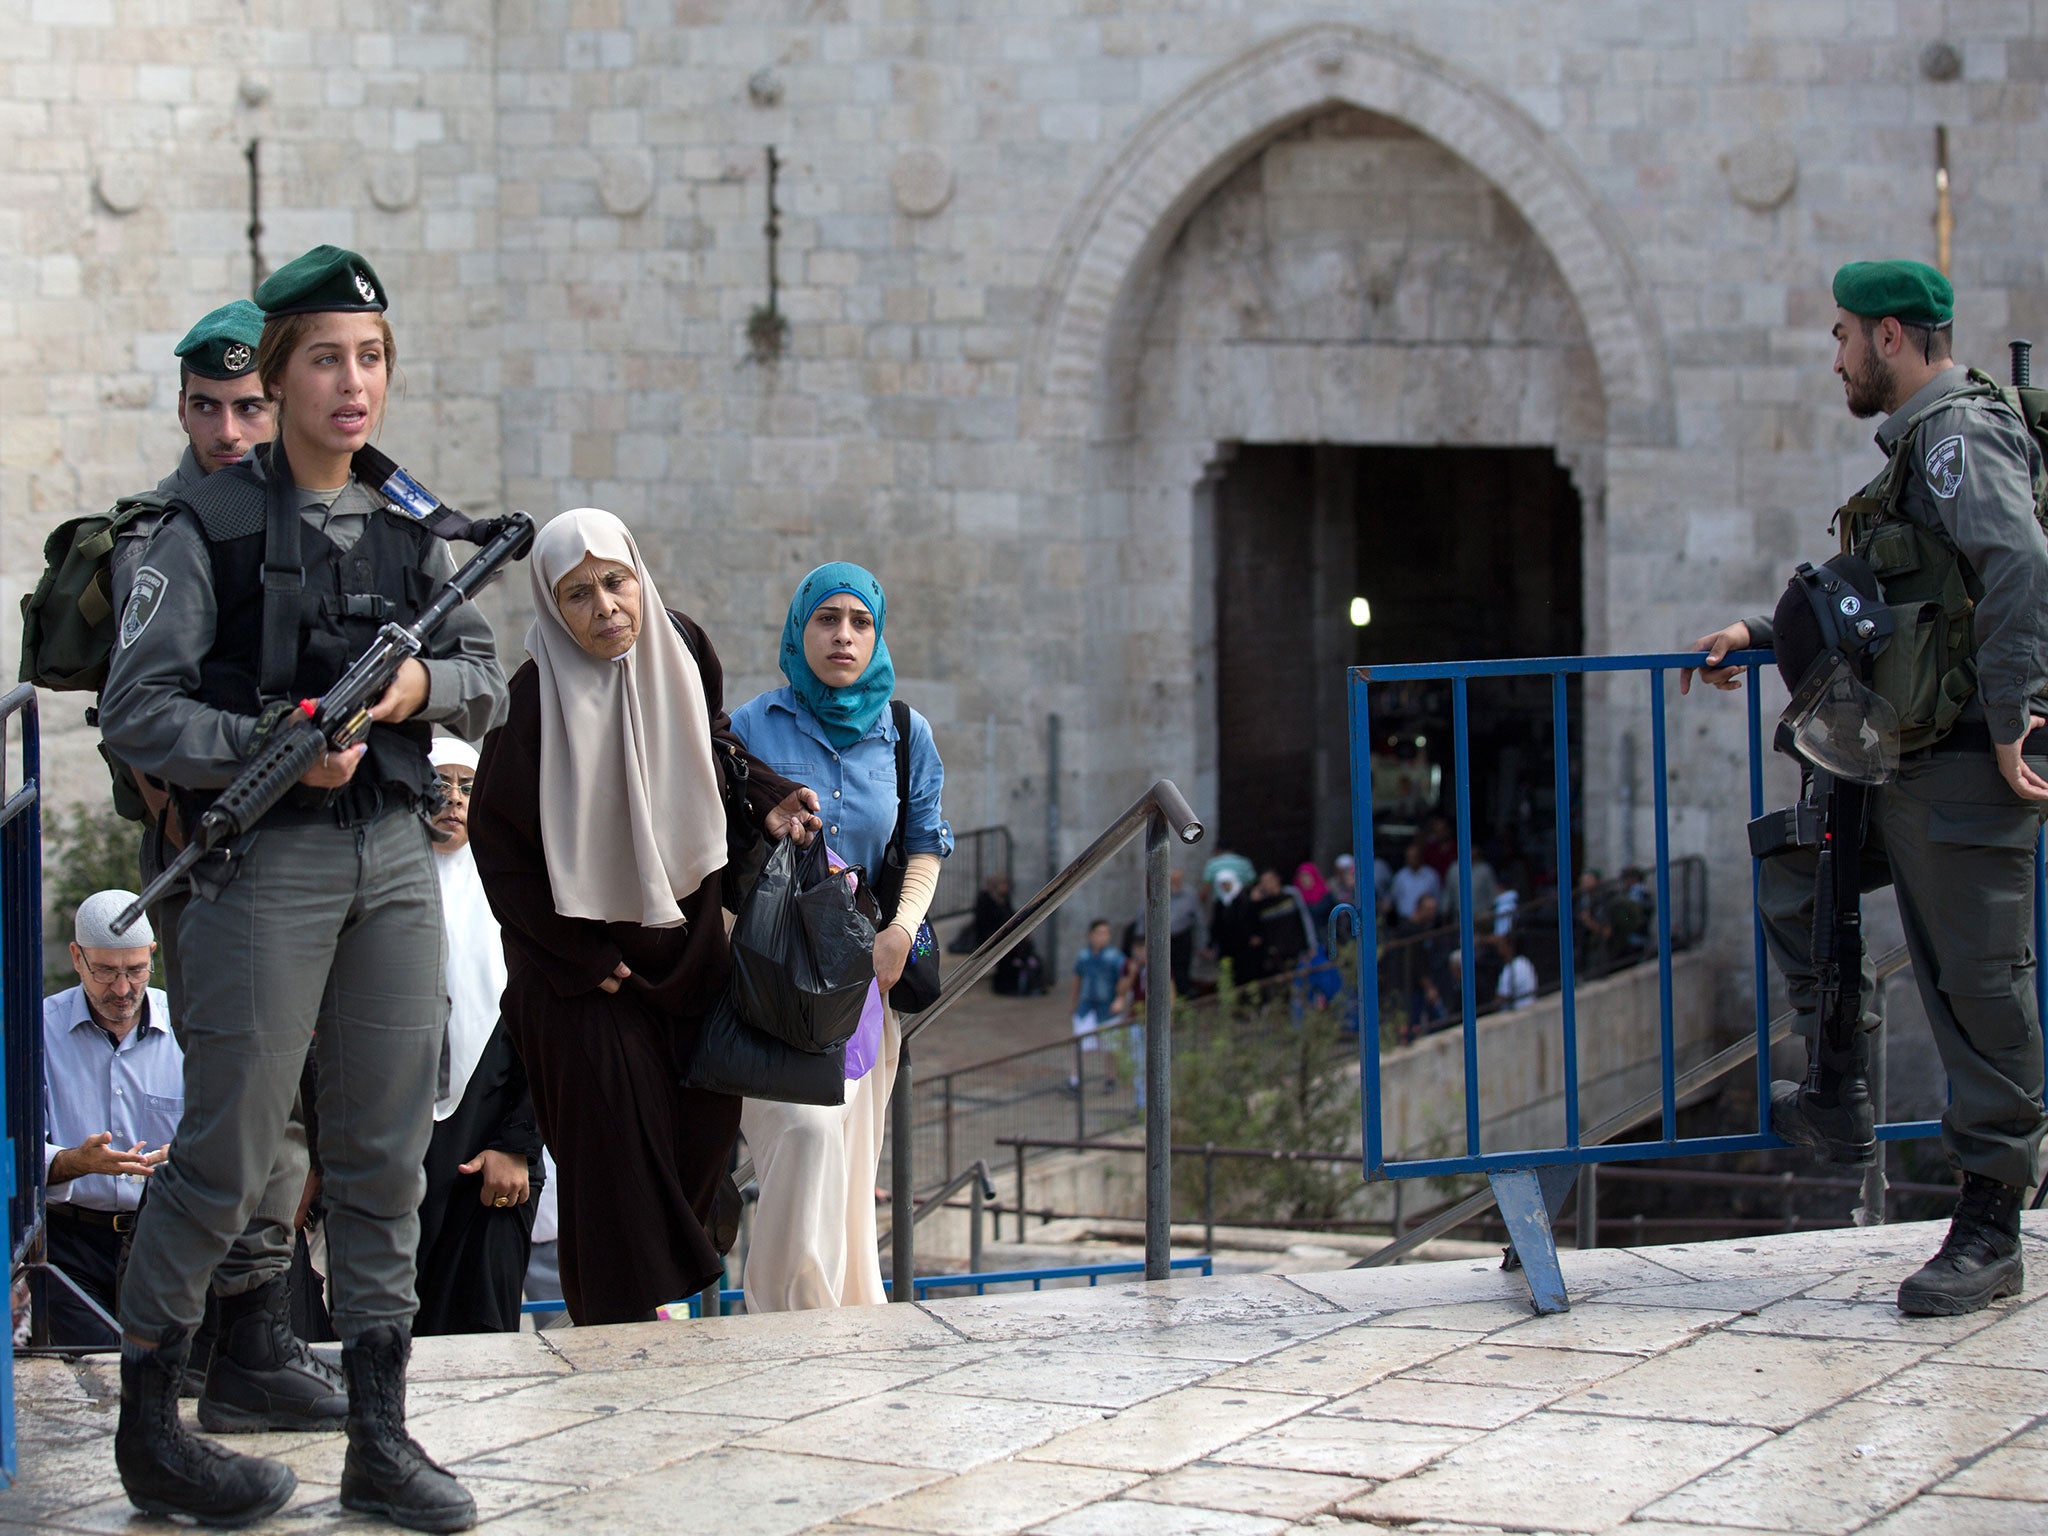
[813,1240]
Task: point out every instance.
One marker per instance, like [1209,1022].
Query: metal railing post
[946,1083]
[1871,1212]
[974,1205]
[1208,1197]
[902,1194]
[1020,1194]
[1158,1049]
[1080,1088]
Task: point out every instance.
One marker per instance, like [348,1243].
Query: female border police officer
[328,913]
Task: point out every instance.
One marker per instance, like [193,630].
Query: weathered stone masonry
[1011,363]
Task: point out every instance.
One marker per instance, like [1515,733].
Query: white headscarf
[476,956]
[630,812]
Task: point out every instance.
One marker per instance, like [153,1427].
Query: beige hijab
[630,813]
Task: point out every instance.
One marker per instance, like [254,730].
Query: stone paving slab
[1695,1390]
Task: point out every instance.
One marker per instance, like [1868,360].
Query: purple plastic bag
[866,1044]
[865,1047]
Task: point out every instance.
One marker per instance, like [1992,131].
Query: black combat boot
[166,1469]
[263,1376]
[1831,1111]
[1979,1259]
[386,1472]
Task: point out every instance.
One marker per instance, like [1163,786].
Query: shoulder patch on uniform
[1945,467]
[144,598]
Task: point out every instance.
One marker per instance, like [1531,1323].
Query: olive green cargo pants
[338,927]
[1957,847]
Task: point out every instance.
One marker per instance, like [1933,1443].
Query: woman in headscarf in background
[483,1162]
[599,826]
[813,1242]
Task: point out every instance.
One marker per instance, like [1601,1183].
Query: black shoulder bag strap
[284,579]
[895,862]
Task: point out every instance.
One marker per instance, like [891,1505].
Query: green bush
[1247,1073]
[86,848]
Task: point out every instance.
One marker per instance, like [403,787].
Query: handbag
[802,950]
[736,1058]
[918,987]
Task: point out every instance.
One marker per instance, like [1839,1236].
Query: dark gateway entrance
[1458,554]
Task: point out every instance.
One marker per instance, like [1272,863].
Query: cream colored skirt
[813,1242]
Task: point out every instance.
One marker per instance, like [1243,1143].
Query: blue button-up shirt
[135,1089]
[856,785]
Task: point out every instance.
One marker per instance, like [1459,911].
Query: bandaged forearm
[920,885]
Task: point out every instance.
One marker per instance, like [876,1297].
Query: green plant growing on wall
[86,848]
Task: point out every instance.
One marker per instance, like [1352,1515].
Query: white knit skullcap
[452,750]
[93,928]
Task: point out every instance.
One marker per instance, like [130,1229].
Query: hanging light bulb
[1361,613]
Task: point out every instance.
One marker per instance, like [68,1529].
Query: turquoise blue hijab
[848,713]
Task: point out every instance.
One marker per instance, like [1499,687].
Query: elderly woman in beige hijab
[599,828]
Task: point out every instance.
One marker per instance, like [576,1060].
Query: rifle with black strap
[338,719]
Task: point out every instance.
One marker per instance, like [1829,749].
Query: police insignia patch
[363,287]
[144,598]
[1945,467]
[235,358]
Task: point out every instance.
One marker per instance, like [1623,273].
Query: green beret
[1910,291]
[223,345]
[324,280]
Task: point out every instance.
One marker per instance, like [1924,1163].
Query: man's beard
[1870,388]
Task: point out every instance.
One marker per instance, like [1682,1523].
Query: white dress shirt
[135,1090]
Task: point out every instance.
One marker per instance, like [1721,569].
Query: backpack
[67,622]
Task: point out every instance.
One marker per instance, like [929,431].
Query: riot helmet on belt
[1831,623]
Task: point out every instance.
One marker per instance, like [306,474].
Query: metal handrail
[975,1172]
[21,993]
[1685,1084]
[1160,813]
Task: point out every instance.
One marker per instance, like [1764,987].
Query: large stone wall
[567,198]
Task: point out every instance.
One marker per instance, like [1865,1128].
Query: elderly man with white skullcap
[114,1089]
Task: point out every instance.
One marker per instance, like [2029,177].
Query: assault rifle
[339,718]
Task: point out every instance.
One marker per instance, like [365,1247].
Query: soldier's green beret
[324,280]
[1910,291]
[223,345]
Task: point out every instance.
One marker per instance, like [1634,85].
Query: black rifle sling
[284,580]
[895,862]
[1842,906]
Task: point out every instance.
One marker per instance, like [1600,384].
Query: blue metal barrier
[21,1009]
[1530,1183]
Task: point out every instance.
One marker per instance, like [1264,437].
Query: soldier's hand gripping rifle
[339,718]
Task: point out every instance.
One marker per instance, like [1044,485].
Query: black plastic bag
[802,951]
[734,1057]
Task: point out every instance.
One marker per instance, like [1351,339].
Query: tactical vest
[1929,671]
[347,595]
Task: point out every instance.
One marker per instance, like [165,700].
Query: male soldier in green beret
[1949,529]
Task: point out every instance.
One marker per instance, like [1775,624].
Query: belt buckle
[123,1222]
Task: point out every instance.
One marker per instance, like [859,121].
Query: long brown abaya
[638,1156]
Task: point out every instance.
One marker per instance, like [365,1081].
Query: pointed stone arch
[1115,237]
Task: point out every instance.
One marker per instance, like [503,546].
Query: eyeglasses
[462,787]
[107,975]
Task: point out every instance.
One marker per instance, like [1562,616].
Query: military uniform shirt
[1974,480]
[135,1089]
[148,709]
